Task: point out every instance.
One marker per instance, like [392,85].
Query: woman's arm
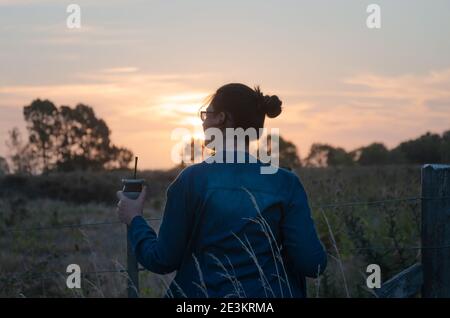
[163,253]
[303,247]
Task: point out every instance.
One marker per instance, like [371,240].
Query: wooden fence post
[132,270]
[436,230]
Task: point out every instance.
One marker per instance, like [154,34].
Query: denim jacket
[230,231]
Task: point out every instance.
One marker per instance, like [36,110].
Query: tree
[288,154]
[374,154]
[42,125]
[318,155]
[287,151]
[425,149]
[22,158]
[445,147]
[68,138]
[84,142]
[120,158]
[84,139]
[323,155]
[4,168]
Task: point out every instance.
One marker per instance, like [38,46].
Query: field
[33,261]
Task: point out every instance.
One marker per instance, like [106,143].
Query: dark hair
[247,107]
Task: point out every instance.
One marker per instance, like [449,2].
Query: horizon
[147,71]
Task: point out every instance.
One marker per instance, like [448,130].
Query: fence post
[133,274]
[436,230]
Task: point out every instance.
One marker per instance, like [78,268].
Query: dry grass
[345,232]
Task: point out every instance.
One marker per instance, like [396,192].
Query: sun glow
[183,108]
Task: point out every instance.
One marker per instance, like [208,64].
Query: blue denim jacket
[230,231]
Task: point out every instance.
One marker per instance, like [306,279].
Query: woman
[229,230]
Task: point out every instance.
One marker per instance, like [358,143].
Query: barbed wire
[384,248]
[157,219]
[17,275]
[324,206]
[65,226]
[14,275]
[358,203]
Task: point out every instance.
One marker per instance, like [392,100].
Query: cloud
[413,87]
[438,104]
[22,2]
[142,108]
[126,69]
[16,3]
[368,107]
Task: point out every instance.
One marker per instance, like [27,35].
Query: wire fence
[313,207]
[68,226]
[52,274]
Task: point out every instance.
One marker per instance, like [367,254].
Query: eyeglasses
[203,114]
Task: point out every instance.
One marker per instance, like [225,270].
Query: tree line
[67,139]
[63,139]
[427,148]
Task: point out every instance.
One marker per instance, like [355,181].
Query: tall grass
[355,232]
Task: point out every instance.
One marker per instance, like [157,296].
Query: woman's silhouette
[227,229]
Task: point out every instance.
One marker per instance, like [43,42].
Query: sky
[147,66]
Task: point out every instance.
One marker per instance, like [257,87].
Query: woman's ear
[222,118]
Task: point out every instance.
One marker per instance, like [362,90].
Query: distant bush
[4,168]
[82,187]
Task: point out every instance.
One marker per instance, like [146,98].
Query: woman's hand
[127,208]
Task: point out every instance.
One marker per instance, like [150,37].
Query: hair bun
[272,106]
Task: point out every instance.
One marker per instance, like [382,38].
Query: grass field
[355,235]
